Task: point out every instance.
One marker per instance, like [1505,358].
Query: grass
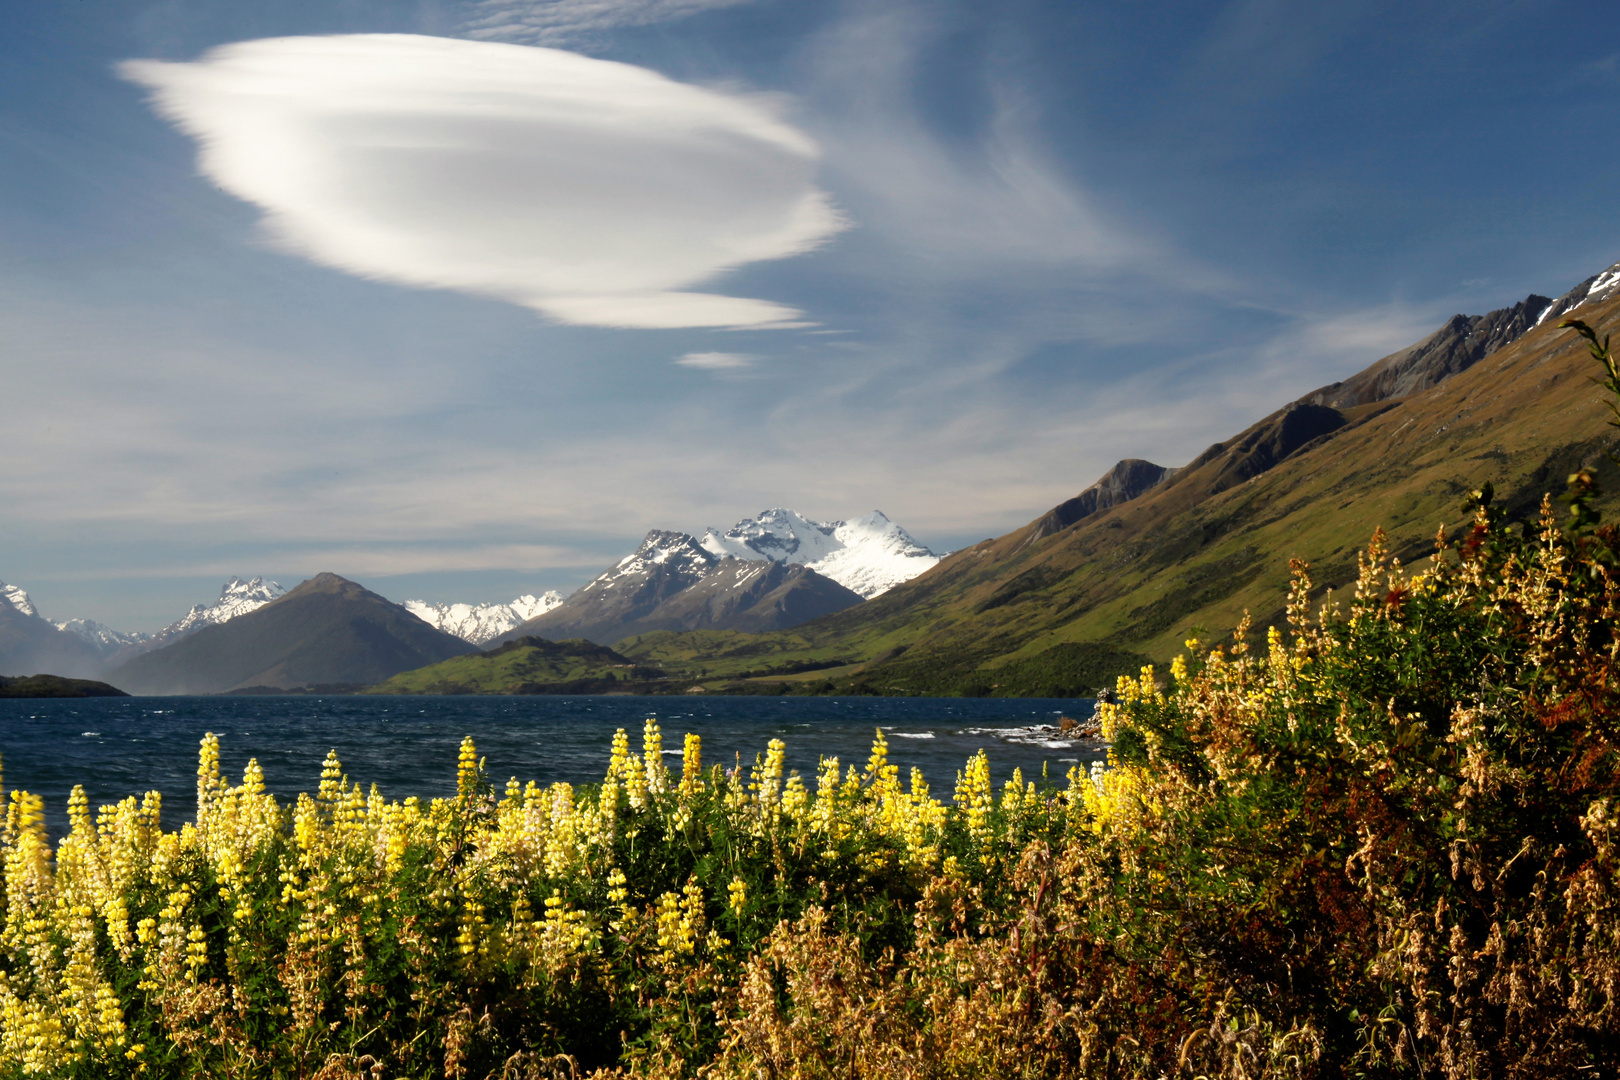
[528,665]
[1190,554]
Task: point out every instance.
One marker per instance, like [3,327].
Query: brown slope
[1200,551]
[328,630]
[1197,550]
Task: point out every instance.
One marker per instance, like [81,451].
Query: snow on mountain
[479,623]
[778,535]
[677,554]
[18,599]
[238,597]
[868,556]
[877,555]
[102,636]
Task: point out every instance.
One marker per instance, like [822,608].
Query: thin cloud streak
[560,22]
[596,193]
[717,361]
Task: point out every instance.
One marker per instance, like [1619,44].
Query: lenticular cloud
[597,193]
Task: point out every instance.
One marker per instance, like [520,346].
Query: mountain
[101,637]
[17,599]
[748,595]
[29,644]
[672,582]
[326,631]
[238,596]
[479,623]
[1124,482]
[528,665]
[868,556]
[1505,398]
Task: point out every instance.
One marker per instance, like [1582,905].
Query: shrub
[527,930]
[1385,842]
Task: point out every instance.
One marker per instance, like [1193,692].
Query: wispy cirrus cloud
[556,22]
[717,361]
[594,192]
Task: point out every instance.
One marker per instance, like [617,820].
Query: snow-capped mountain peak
[678,551]
[237,597]
[869,555]
[479,623]
[18,599]
[102,636]
[779,535]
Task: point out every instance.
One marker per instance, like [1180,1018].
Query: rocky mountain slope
[30,645]
[868,556]
[1124,482]
[765,573]
[1505,398]
[750,595]
[238,596]
[672,582]
[326,631]
[479,623]
[101,637]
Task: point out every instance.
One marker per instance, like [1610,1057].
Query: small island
[54,686]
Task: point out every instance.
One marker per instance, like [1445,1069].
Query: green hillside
[1198,550]
[529,665]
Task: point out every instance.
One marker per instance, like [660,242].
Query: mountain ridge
[328,630]
[1197,547]
[671,581]
[481,623]
[30,644]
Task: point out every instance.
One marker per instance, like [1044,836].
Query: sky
[459,300]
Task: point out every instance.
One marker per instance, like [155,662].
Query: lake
[407,745]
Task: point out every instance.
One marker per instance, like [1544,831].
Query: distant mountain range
[1122,572]
[867,556]
[771,572]
[1105,580]
[479,623]
[29,645]
[766,573]
[327,631]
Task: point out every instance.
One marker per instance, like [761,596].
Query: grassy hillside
[1210,543]
[529,665]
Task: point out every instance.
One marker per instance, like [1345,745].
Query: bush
[537,929]
[1384,842]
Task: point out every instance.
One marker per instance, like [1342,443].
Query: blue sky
[463,310]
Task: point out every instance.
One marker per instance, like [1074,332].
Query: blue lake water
[408,745]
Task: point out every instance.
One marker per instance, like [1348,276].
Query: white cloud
[552,22]
[594,192]
[716,361]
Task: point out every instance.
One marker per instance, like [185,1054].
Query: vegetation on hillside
[527,665]
[1388,843]
[1214,541]
[54,686]
[1384,841]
